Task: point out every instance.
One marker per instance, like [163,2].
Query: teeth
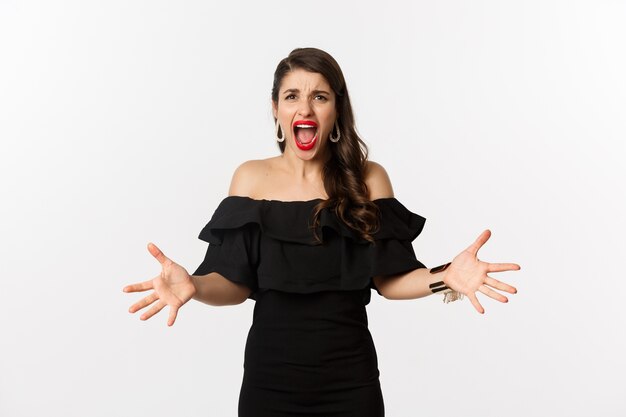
[305,126]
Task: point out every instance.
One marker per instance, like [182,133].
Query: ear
[274,108]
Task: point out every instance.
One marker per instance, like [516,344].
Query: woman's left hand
[467,274]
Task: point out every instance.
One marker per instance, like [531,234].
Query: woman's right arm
[174,286]
[215,290]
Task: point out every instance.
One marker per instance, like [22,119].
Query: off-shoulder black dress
[309,351]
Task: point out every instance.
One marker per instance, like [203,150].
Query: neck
[304,170]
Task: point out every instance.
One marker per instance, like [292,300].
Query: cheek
[330,121]
[284,113]
[285,123]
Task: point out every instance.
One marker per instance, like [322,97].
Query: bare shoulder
[377,181]
[246,177]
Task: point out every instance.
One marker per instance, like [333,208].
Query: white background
[121,123]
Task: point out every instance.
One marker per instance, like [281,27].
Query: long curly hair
[344,172]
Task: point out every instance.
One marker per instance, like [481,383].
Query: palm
[467,274]
[172,287]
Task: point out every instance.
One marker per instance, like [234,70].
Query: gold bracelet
[449,295]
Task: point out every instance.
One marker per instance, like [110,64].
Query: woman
[307,235]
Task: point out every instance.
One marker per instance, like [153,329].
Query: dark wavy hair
[344,172]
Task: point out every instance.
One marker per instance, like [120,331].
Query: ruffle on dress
[269,244]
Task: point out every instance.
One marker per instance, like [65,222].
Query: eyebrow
[295,90]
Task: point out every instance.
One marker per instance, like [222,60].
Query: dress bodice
[269,244]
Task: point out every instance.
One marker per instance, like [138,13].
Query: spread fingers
[173,313]
[146,301]
[493,294]
[475,302]
[499,285]
[141,286]
[153,310]
[499,267]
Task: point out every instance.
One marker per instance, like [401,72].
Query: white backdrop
[121,123]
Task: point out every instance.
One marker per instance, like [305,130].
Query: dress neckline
[313,200]
[275,201]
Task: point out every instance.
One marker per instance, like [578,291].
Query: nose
[304,108]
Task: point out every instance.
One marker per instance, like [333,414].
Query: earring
[281,137]
[335,139]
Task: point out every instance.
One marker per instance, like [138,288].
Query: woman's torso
[310,342]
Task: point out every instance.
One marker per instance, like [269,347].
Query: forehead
[303,80]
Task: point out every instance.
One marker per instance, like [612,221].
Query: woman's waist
[320,342]
[318,310]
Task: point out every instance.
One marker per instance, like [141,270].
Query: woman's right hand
[173,287]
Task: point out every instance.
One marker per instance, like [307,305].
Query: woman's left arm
[466,274]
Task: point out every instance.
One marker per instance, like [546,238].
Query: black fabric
[234,255]
[269,244]
[309,351]
[310,355]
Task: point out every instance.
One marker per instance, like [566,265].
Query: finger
[493,294]
[476,303]
[479,242]
[156,252]
[173,314]
[144,302]
[142,286]
[155,309]
[500,285]
[503,267]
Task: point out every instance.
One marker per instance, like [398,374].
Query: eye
[290,97]
[320,97]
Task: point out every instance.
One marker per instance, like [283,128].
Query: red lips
[309,145]
[304,122]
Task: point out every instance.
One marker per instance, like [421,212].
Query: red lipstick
[304,124]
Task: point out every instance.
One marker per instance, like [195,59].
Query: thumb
[156,252]
[479,242]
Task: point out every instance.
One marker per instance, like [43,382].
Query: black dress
[309,351]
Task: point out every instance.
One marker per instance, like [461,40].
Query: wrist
[440,284]
[195,283]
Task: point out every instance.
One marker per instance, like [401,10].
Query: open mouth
[305,134]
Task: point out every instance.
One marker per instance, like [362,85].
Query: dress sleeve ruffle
[233,251]
[393,250]
[269,244]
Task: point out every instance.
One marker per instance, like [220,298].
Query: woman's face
[306,113]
